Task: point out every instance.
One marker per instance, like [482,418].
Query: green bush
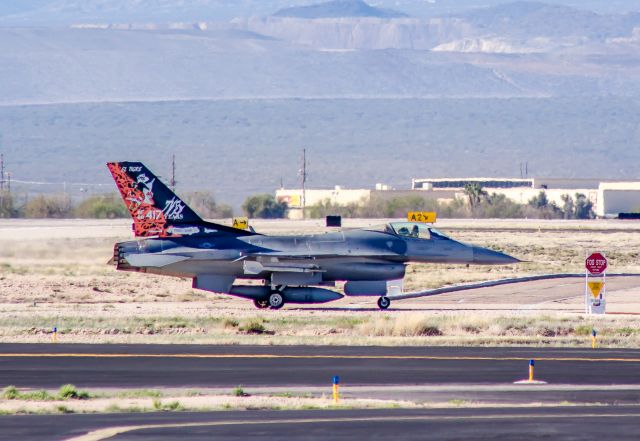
[101,207]
[7,205]
[46,207]
[239,392]
[10,393]
[254,326]
[69,391]
[203,203]
[264,206]
[174,405]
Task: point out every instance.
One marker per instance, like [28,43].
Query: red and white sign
[596,263]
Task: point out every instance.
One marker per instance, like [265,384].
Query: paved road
[555,295]
[136,366]
[564,423]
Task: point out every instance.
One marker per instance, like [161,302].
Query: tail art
[156,210]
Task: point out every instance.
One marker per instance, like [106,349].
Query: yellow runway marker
[317,357]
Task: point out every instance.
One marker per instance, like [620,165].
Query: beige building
[608,197]
[296,198]
[342,196]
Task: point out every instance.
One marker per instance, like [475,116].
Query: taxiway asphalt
[419,374]
[144,366]
[562,423]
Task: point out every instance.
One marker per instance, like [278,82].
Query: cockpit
[413,230]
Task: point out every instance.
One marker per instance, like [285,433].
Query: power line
[84,184]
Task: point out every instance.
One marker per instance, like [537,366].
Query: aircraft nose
[484,256]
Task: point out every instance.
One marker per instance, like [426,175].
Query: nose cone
[484,256]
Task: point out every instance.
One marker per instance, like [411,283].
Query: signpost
[241,223]
[422,216]
[595,278]
[596,264]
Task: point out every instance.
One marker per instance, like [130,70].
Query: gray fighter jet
[175,241]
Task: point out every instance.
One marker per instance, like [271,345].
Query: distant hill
[65,12]
[529,18]
[240,147]
[466,93]
[338,8]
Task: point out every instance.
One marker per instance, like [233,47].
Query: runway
[144,366]
[565,423]
[416,374]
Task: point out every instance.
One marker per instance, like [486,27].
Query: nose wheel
[384,302]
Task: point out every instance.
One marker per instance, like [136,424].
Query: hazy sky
[56,12]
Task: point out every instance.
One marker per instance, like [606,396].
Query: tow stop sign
[596,263]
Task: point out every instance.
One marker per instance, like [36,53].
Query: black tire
[276,301]
[261,303]
[384,302]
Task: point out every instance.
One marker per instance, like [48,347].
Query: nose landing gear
[384,302]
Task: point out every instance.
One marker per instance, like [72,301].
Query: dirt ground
[54,273]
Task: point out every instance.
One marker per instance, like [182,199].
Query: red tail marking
[147,219]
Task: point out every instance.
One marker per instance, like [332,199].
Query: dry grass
[188,401]
[332,328]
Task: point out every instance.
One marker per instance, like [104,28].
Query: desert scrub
[253,326]
[140,393]
[229,322]
[69,391]
[411,326]
[239,392]
[10,393]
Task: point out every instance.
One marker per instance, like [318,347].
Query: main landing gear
[384,302]
[261,303]
[274,300]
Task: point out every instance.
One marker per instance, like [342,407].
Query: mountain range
[475,89]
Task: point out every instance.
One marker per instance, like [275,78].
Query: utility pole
[1,172]
[173,173]
[303,177]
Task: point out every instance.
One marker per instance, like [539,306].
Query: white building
[296,198]
[608,197]
[618,197]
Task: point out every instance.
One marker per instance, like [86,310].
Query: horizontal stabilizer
[154,260]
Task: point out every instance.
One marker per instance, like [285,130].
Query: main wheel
[261,303]
[384,302]
[275,300]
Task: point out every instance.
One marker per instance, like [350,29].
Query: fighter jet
[173,240]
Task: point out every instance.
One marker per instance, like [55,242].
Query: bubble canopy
[413,230]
